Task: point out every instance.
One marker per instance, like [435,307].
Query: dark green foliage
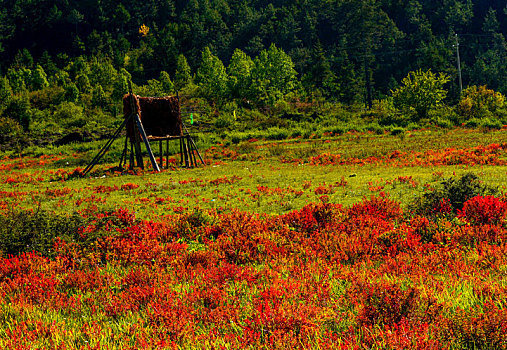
[5,93]
[451,194]
[19,110]
[71,93]
[26,231]
[99,98]
[343,48]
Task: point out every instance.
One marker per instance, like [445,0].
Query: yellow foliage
[479,101]
[144,30]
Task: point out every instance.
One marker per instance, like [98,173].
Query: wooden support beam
[192,154]
[106,147]
[137,146]
[195,147]
[146,142]
[131,158]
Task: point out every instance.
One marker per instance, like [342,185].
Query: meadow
[357,240]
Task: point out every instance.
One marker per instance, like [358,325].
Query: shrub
[19,110]
[397,131]
[276,134]
[451,195]
[9,127]
[483,210]
[489,123]
[479,102]
[26,230]
[472,123]
[67,111]
[381,207]
[383,303]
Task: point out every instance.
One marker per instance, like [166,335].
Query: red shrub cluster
[484,210]
[325,276]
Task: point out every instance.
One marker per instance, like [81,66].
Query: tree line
[348,50]
[66,64]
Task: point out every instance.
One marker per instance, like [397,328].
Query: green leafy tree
[211,77]
[22,59]
[103,73]
[78,67]
[491,24]
[75,17]
[83,83]
[16,80]
[99,98]
[19,110]
[5,93]
[321,75]
[121,84]
[240,74]
[47,63]
[273,76]
[183,75]
[39,79]
[419,93]
[71,92]
[121,16]
[61,78]
[479,102]
[167,84]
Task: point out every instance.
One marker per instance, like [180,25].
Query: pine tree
[183,75]
[39,79]
[167,84]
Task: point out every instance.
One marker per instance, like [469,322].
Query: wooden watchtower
[152,119]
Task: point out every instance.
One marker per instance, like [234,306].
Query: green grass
[228,184]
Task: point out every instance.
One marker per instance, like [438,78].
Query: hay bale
[160,115]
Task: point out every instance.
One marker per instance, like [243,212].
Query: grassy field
[330,242]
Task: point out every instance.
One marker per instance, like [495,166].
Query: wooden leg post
[167,153]
[191,144]
[181,151]
[185,150]
[161,154]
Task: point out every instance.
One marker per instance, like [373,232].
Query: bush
[484,210]
[9,127]
[26,231]
[479,102]
[67,112]
[224,121]
[19,110]
[397,131]
[451,195]
[444,117]
[489,123]
[472,123]
[276,134]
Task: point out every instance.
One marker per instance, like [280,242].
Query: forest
[67,63]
